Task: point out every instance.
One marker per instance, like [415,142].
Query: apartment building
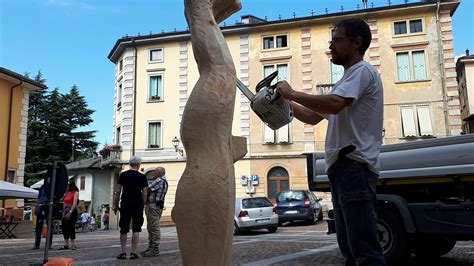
[412,48]
[465,78]
[14,95]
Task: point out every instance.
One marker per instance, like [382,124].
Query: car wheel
[431,247]
[237,230]
[393,237]
[272,229]
[320,215]
[312,219]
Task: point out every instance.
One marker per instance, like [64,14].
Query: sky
[69,40]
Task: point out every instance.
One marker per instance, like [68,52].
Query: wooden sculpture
[205,197]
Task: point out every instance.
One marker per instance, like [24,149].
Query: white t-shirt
[360,124]
[85,217]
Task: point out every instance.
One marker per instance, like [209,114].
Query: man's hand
[284,89]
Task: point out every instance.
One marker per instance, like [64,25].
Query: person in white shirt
[85,219]
[354,109]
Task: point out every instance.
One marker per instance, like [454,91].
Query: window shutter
[282,72]
[419,67]
[424,120]
[153,87]
[159,86]
[283,134]
[336,72]
[408,121]
[269,134]
[403,67]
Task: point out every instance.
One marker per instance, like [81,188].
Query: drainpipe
[134,98]
[9,133]
[442,70]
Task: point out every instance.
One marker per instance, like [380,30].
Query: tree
[54,123]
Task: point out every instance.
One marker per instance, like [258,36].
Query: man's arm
[323,104]
[306,115]
[117,198]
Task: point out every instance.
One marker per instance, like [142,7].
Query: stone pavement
[290,245]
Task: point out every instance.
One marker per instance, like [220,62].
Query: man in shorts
[132,192]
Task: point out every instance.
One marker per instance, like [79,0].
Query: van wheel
[431,247]
[392,236]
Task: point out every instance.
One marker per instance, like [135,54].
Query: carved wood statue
[205,197]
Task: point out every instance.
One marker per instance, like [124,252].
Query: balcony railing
[111,154]
[322,89]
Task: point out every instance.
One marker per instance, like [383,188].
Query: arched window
[150,175]
[278,180]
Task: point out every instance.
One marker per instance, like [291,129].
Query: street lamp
[176,142]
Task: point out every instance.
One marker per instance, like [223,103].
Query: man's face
[342,47]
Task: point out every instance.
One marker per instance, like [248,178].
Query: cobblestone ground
[290,245]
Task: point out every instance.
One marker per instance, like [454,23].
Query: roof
[82,164]
[469,118]
[257,23]
[19,77]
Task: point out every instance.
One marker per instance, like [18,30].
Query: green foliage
[54,129]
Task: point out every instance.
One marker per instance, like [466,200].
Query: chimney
[467,51]
[365,3]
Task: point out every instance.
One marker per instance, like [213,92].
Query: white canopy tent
[13,191]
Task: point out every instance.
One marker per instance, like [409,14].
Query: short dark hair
[355,27]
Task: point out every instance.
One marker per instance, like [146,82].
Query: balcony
[323,89]
[110,154]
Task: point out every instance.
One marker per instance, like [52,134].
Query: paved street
[290,245]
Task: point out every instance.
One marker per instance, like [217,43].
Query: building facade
[465,78]
[14,95]
[412,48]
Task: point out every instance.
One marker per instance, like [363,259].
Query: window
[119,95]
[118,134]
[416,121]
[282,135]
[11,176]
[400,27]
[83,182]
[336,72]
[155,55]
[120,65]
[416,26]
[155,91]
[154,135]
[277,41]
[411,66]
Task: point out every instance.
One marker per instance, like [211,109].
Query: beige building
[412,48]
[465,78]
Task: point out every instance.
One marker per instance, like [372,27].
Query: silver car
[254,213]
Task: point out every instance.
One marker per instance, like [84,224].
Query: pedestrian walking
[85,219]
[154,207]
[70,215]
[354,109]
[105,220]
[130,198]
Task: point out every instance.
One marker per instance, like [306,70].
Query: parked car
[254,213]
[298,205]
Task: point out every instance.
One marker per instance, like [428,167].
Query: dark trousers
[68,226]
[38,229]
[353,195]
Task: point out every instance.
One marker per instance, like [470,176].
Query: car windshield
[256,203]
[291,196]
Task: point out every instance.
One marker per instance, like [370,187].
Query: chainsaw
[264,104]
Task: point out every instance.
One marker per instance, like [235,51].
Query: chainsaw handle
[266,82]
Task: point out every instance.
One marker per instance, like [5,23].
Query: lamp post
[176,142]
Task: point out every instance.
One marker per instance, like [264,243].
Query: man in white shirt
[354,109]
